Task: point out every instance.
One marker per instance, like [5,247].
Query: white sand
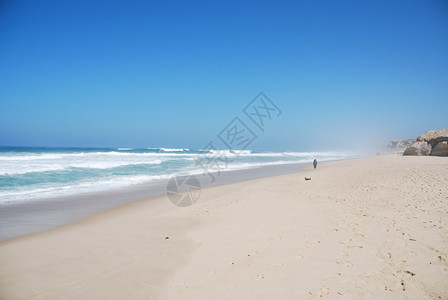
[362,228]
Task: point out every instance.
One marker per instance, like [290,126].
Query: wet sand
[44,214]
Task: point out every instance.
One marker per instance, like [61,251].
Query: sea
[29,174]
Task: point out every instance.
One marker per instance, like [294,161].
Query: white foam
[250,153]
[22,164]
[29,163]
[30,157]
[57,190]
[48,156]
[242,166]
[174,149]
[15,164]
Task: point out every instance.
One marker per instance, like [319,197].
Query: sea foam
[29,173]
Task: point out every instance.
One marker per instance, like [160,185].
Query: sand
[361,228]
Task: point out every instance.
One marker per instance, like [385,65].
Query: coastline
[361,228]
[44,214]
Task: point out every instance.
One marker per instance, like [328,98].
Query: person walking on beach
[315,163]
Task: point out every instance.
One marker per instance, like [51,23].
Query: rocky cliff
[399,146]
[433,142]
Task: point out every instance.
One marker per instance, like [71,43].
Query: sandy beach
[360,228]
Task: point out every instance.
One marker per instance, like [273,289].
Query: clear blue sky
[174,73]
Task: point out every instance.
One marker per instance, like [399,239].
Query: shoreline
[32,217]
[371,227]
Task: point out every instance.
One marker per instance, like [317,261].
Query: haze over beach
[197,150]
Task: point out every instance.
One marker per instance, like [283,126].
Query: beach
[373,227]
[46,187]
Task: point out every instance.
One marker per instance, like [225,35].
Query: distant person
[315,163]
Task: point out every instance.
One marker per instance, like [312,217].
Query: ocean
[29,174]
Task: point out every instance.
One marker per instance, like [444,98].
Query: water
[30,174]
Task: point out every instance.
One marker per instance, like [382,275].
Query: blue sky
[174,73]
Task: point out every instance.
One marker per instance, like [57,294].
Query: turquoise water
[30,174]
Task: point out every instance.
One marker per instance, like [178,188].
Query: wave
[36,168]
[249,165]
[169,149]
[251,153]
[166,152]
[280,162]
[174,149]
[29,163]
[230,152]
[63,172]
[30,157]
[50,190]
[87,186]
[95,155]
